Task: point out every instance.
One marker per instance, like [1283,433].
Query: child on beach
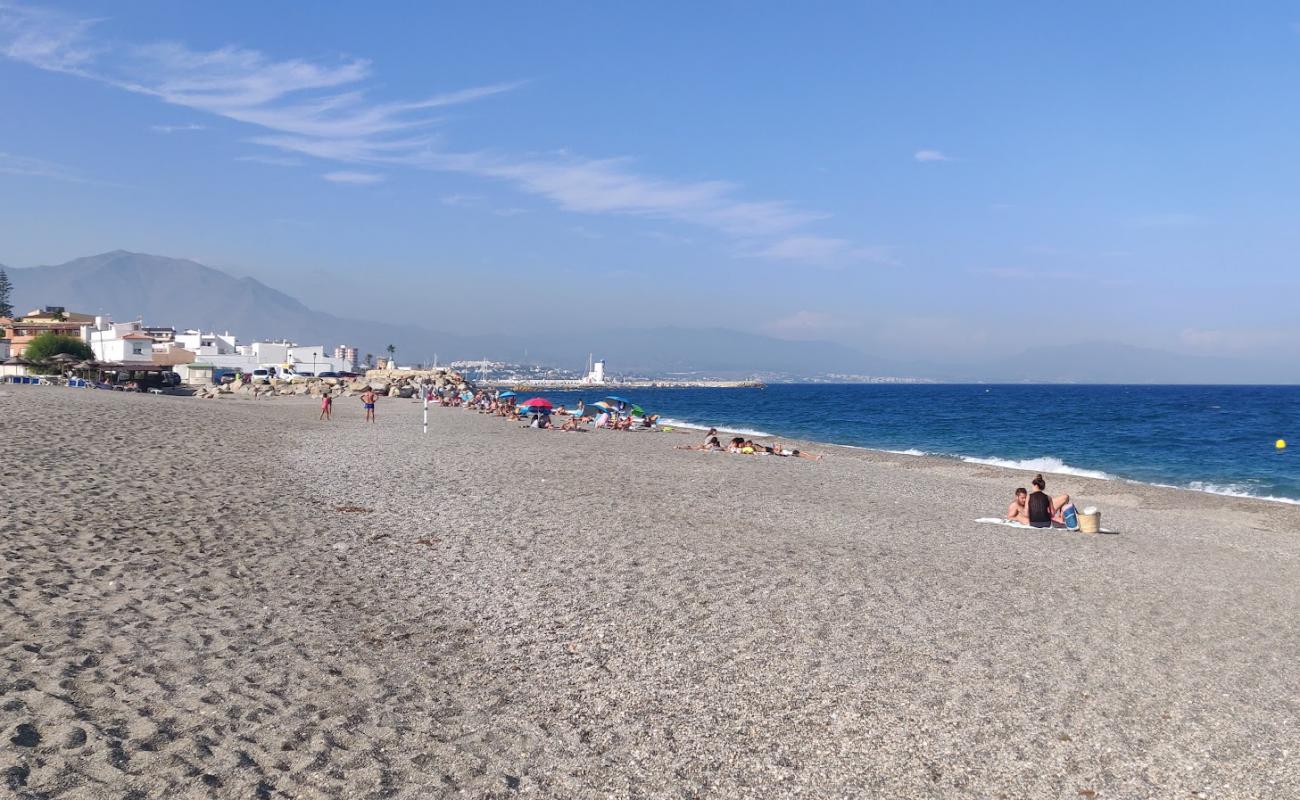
[368,402]
[326,406]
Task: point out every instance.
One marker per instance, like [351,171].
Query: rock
[25,735]
[394,391]
[406,391]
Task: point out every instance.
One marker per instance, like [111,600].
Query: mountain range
[186,294]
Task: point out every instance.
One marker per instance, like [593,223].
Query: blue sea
[1209,438]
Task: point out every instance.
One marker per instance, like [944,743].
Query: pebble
[25,735]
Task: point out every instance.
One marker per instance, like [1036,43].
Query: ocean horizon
[1218,439]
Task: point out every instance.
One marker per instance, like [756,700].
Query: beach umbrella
[537,403]
[601,407]
[619,399]
[638,411]
[504,395]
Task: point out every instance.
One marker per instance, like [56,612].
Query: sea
[1218,439]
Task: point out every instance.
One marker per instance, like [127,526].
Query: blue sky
[929,180]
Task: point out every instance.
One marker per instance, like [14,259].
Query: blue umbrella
[618,399]
[507,394]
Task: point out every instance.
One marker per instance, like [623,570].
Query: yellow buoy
[1280,444]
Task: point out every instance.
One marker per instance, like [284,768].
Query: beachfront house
[51,319]
[118,342]
[208,344]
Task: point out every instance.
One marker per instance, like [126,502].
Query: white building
[208,344]
[595,373]
[118,342]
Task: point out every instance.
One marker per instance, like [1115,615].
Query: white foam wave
[1237,490]
[911,451]
[677,423]
[1047,464]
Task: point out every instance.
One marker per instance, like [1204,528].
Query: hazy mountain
[1113,362]
[185,294]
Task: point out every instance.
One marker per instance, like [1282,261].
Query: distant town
[135,351]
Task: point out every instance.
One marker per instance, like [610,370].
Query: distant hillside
[182,293]
[1113,362]
[186,294]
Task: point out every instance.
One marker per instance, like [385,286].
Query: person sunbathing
[570,424]
[1018,510]
[777,449]
[712,445]
[1043,508]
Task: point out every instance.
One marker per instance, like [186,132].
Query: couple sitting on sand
[1039,509]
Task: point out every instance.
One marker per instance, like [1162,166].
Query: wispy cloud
[271,160]
[461,200]
[825,251]
[193,126]
[925,156]
[323,109]
[11,164]
[357,178]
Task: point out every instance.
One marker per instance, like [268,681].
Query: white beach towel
[1001,521]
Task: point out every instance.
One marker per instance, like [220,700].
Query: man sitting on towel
[1018,511]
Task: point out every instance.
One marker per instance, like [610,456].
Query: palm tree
[391,350]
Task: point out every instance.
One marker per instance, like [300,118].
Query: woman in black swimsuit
[1043,508]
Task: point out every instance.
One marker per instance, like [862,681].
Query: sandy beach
[231,599]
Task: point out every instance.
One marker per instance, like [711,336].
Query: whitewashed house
[118,342]
[208,344]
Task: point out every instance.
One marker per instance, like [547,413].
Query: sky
[918,180]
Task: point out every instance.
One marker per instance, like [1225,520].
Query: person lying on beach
[711,445]
[649,420]
[778,450]
[570,424]
[740,445]
[1044,509]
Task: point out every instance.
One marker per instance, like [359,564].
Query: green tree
[50,344]
[391,350]
[6,289]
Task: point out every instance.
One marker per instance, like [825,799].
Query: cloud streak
[177,128]
[929,156]
[321,109]
[355,178]
[11,164]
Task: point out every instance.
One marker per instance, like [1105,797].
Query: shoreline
[990,461]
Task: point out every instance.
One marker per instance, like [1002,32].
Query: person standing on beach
[326,406]
[368,401]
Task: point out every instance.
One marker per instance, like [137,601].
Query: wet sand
[512,612]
